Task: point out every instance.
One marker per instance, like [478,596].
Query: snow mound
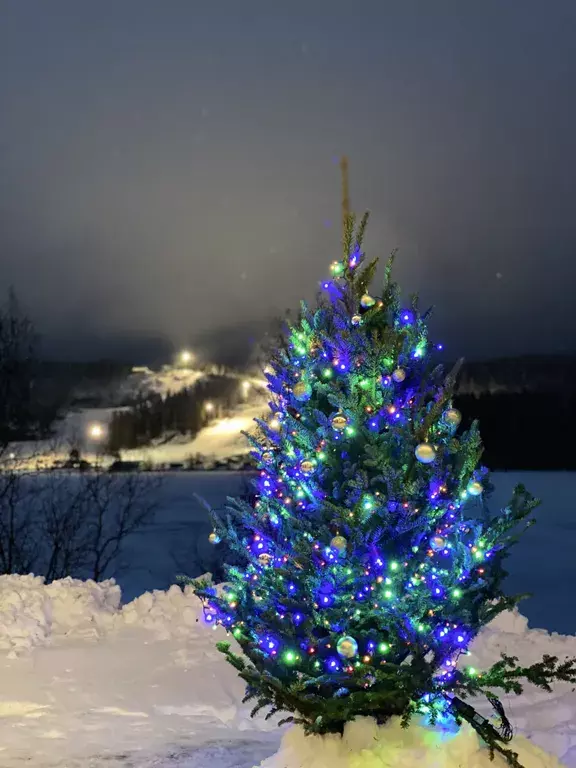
[510,633]
[171,614]
[365,744]
[32,612]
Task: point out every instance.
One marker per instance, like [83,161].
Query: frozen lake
[543,563]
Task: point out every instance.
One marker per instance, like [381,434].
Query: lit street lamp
[96,431]
[186,357]
[209,407]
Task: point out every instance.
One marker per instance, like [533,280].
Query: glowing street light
[96,431]
[209,407]
[186,357]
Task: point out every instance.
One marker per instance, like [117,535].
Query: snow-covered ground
[87,683]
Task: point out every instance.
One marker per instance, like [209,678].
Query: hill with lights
[194,416]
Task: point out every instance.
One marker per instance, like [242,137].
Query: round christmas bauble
[437,543]
[214,538]
[399,375]
[474,488]
[339,543]
[302,390]
[265,558]
[367,301]
[453,417]
[339,422]
[425,453]
[356,320]
[268,456]
[307,467]
[347,647]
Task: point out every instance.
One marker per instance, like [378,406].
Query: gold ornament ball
[214,538]
[453,417]
[347,647]
[339,422]
[307,467]
[301,390]
[339,543]
[268,456]
[367,301]
[264,558]
[356,320]
[475,488]
[425,453]
[399,375]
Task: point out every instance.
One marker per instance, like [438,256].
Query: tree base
[365,744]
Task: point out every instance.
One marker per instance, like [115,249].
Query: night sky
[169,170]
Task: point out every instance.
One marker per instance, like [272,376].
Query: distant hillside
[526,408]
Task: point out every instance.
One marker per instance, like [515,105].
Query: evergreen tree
[368,565]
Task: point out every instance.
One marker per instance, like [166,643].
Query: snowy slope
[87,683]
[219,440]
[169,380]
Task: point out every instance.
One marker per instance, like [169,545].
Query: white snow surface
[89,683]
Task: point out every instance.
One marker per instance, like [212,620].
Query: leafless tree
[64,524]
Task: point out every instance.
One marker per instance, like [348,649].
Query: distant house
[125,466]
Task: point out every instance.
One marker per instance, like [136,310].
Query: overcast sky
[169,170]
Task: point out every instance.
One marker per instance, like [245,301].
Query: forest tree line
[185,412]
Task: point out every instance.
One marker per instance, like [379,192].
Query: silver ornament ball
[453,417]
[475,488]
[302,390]
[347,647]
[437,543]
[425,453]
[399,375]
[339,422]
[214,538]
[339,543]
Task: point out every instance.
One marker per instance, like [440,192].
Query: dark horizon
[169,177]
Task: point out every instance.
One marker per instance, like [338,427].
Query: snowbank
[33,613]
[366,745]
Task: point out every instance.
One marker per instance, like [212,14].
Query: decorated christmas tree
[369,560]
